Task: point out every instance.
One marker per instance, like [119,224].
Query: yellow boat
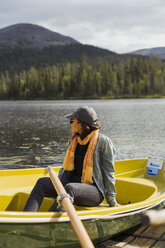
[140,185]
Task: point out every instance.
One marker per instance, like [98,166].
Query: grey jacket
[103,169]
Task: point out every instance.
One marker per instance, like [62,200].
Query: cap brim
[69,116]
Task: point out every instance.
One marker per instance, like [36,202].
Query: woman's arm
[108,170]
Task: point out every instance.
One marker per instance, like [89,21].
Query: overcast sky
[118,25]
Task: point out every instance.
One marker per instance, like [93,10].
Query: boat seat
[129,190]
[17,202]
[15,199]
[9,197]
[132,190]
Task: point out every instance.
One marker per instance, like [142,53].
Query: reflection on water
[35,133]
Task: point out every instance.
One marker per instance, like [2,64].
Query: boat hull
[61,235]
[137,191]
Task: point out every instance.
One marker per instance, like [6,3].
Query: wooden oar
[67,204]
[153,217]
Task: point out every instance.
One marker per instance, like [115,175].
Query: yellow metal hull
[137,191]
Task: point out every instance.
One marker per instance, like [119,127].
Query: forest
[132,77]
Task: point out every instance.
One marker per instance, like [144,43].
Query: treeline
[18,59]
[132,77]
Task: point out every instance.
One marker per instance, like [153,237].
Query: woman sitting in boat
[88,169]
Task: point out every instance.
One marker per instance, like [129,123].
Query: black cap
[85,114]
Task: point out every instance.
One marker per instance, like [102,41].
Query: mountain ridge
[26,35]
[156,51]
[26,45]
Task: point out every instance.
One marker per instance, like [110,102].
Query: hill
[156,51]
[25,45]
[36,63]
[32,36]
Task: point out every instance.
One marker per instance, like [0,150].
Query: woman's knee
[41,185]
[75,190]
[84,195]
[70,189]
[40,182]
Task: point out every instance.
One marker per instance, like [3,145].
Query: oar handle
[153,217]
[67,204]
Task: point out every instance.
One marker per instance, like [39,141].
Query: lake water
[35,133]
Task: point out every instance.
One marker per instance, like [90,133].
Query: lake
[35,133]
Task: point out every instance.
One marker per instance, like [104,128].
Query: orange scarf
[87,171]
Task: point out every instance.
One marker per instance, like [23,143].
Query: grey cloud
[88,20]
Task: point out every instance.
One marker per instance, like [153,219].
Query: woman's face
[75,126]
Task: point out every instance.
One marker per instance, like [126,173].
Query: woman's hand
[117,205]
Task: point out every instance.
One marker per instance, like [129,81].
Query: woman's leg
[43,187]
[83,195]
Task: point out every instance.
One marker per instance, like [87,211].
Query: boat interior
[134,184]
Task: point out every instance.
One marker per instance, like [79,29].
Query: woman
[88,169]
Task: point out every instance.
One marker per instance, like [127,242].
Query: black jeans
[83,194]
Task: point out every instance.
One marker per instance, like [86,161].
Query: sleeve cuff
[111,201]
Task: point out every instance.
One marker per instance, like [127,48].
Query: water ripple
[35,133]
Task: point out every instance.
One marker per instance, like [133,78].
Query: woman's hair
[87,129]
